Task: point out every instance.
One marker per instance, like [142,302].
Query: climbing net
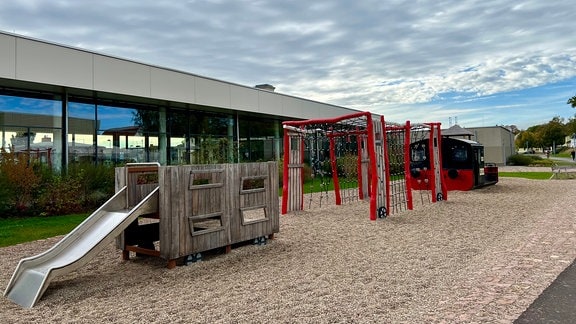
[425,163]
[329,160]
[349,158]
[405,144]
[395,141]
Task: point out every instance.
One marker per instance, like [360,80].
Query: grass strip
[19,230]
[527,175]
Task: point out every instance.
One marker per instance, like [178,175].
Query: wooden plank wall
[295,166]
[256,207]
[202,206]
[140,180]
[206,219]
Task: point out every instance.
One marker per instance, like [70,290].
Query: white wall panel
[171,85]
[244,99]
[7,56]
[270,102]
[320,110]
[42,62]
[120,76]
[46,63]
[294,108]
[212,93]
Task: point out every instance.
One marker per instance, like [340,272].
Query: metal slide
[33,274]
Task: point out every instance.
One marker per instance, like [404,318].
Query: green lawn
[527,175]
[20,230]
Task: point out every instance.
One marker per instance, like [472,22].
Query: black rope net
[331,151]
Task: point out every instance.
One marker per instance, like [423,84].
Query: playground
[480,256]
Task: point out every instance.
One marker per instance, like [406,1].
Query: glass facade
[259,140]
[59,131]
[32,126]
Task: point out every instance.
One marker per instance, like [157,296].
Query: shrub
[538,161]
[30,188]
[82,188]
[528,160]
[61,197]
[18,174]
[7,201]
[520,159]
[348,165]
[96,182]
[280,172]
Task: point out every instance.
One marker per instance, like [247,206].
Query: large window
[128,135]
[211,138]
[82,133]
[117,132]
[32,126]
[259,139]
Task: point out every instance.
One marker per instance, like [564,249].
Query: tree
[572,102]
[537,135]
[526,139]
[553,133]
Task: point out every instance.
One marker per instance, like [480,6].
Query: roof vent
[265,86]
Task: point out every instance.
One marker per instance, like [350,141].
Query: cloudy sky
[480,63]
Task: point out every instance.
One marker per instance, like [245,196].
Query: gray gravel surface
[482,256]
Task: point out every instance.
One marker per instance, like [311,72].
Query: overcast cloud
[419,60]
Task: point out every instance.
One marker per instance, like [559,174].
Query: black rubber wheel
[382,212]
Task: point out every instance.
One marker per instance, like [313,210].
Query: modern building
[64,104]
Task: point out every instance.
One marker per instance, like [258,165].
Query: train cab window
[419,153]
[459,154]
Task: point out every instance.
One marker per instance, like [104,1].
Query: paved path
[557,303]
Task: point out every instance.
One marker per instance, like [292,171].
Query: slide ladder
[33,274]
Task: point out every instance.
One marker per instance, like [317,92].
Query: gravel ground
[481,256]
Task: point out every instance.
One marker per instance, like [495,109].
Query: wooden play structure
[172,212]
[355,157]
[201,208]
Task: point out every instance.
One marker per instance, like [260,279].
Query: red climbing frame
[359,125]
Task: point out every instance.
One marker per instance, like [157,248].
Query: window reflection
[128,135]
[32,126]
[259,140]
[117,133]
[82,127]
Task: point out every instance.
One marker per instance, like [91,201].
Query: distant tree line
[543,136]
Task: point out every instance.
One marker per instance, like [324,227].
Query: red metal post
[285,172]
[301,173]
[432,143]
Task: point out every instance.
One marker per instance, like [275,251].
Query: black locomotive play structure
[463,166]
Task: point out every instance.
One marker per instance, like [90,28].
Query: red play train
[463,166]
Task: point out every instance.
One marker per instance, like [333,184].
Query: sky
[472,63]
